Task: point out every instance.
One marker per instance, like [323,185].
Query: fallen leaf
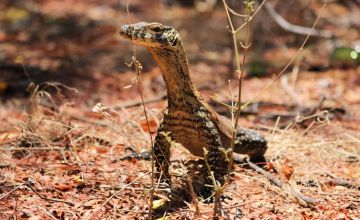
[152,125]
[158,203]
[101,150]
[286,171]
[9,135]
[64,187]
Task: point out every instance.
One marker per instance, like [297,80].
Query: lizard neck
[181,92]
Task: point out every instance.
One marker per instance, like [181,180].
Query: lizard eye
[156,28]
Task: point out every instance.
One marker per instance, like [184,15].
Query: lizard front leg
[162,155]
[215,156]
[162,146]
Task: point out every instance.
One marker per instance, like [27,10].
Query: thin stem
[234,35]
[250,18]
[240,70]
[277,77]
[234,12]
[138,69]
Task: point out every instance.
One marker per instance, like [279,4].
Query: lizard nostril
[126,31]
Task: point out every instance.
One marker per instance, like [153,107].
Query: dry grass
[88,175]
[63,165]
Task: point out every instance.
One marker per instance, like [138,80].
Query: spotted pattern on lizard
[188,120]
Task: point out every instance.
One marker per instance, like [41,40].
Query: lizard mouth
[126,31]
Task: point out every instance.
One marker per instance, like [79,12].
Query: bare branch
[297,29]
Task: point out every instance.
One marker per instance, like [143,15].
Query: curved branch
[277,77]
[295,28]
[232,11]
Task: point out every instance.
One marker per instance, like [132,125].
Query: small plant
[250,12]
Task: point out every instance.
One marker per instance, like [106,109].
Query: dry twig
[278,183]
[28,184]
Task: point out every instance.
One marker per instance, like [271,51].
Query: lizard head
[150,35]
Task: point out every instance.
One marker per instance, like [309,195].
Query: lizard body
[189,120]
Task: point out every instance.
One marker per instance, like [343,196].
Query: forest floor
[60,149]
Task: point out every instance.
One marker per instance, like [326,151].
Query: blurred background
[76,43]
[59,58]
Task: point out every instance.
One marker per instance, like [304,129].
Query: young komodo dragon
[189,120]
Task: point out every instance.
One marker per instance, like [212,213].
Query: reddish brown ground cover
[59,157]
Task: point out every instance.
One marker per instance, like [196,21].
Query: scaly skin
[189,120]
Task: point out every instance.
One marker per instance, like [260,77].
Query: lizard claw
[145,155]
